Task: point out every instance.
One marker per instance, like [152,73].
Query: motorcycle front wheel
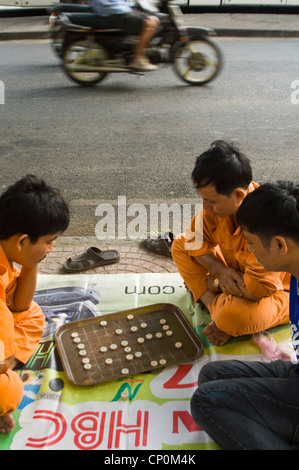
[80,60]
[197,61]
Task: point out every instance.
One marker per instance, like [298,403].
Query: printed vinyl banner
[148,411]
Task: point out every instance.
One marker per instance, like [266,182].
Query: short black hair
[271,209]
[224,167]
[32,207]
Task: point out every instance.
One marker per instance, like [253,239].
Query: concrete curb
[23,35]
[256,33]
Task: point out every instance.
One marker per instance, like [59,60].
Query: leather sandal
[91,258]
[160,245]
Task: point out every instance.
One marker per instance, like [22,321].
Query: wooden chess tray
[121,344]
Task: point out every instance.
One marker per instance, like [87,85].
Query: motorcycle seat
[90,20]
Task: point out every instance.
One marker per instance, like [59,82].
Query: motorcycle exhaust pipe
[94,68]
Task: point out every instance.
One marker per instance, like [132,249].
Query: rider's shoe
[143,65]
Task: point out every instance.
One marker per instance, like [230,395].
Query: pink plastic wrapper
[272,350]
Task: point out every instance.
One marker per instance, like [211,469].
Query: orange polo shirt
[214,233]
[8,284]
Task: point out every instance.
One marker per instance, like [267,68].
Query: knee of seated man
[231,314]
[206,395]
[36,314]
[11,392]
[207,372]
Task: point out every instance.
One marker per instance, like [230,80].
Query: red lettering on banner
[186,419]
[140,429]
[57,434]
[181,372]
[88,431]
[89,428]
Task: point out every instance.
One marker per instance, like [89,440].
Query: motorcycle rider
[121,15]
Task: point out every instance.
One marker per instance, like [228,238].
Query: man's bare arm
[24,292]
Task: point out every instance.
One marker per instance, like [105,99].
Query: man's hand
[230,281]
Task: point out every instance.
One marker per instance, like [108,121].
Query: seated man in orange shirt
[213,258]
[32,215]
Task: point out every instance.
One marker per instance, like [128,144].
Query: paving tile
[133,259]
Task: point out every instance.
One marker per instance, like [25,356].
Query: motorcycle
[56,32]
[91,49]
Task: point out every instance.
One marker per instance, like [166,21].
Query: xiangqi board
[125,343]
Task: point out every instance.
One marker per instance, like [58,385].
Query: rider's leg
[149,27]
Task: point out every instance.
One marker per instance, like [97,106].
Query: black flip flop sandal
[160,245]
[91,258]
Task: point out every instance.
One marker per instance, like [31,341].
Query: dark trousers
[249,405]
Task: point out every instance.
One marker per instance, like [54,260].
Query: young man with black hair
[213,258]
[254,405]
[32,215]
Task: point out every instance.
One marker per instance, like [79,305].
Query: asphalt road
[139,137]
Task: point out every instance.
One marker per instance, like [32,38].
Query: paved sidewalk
[225,24]
[133,258]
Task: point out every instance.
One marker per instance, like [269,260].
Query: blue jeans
[249,405]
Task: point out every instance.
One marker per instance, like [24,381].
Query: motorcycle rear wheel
[81,53]
[197,61]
